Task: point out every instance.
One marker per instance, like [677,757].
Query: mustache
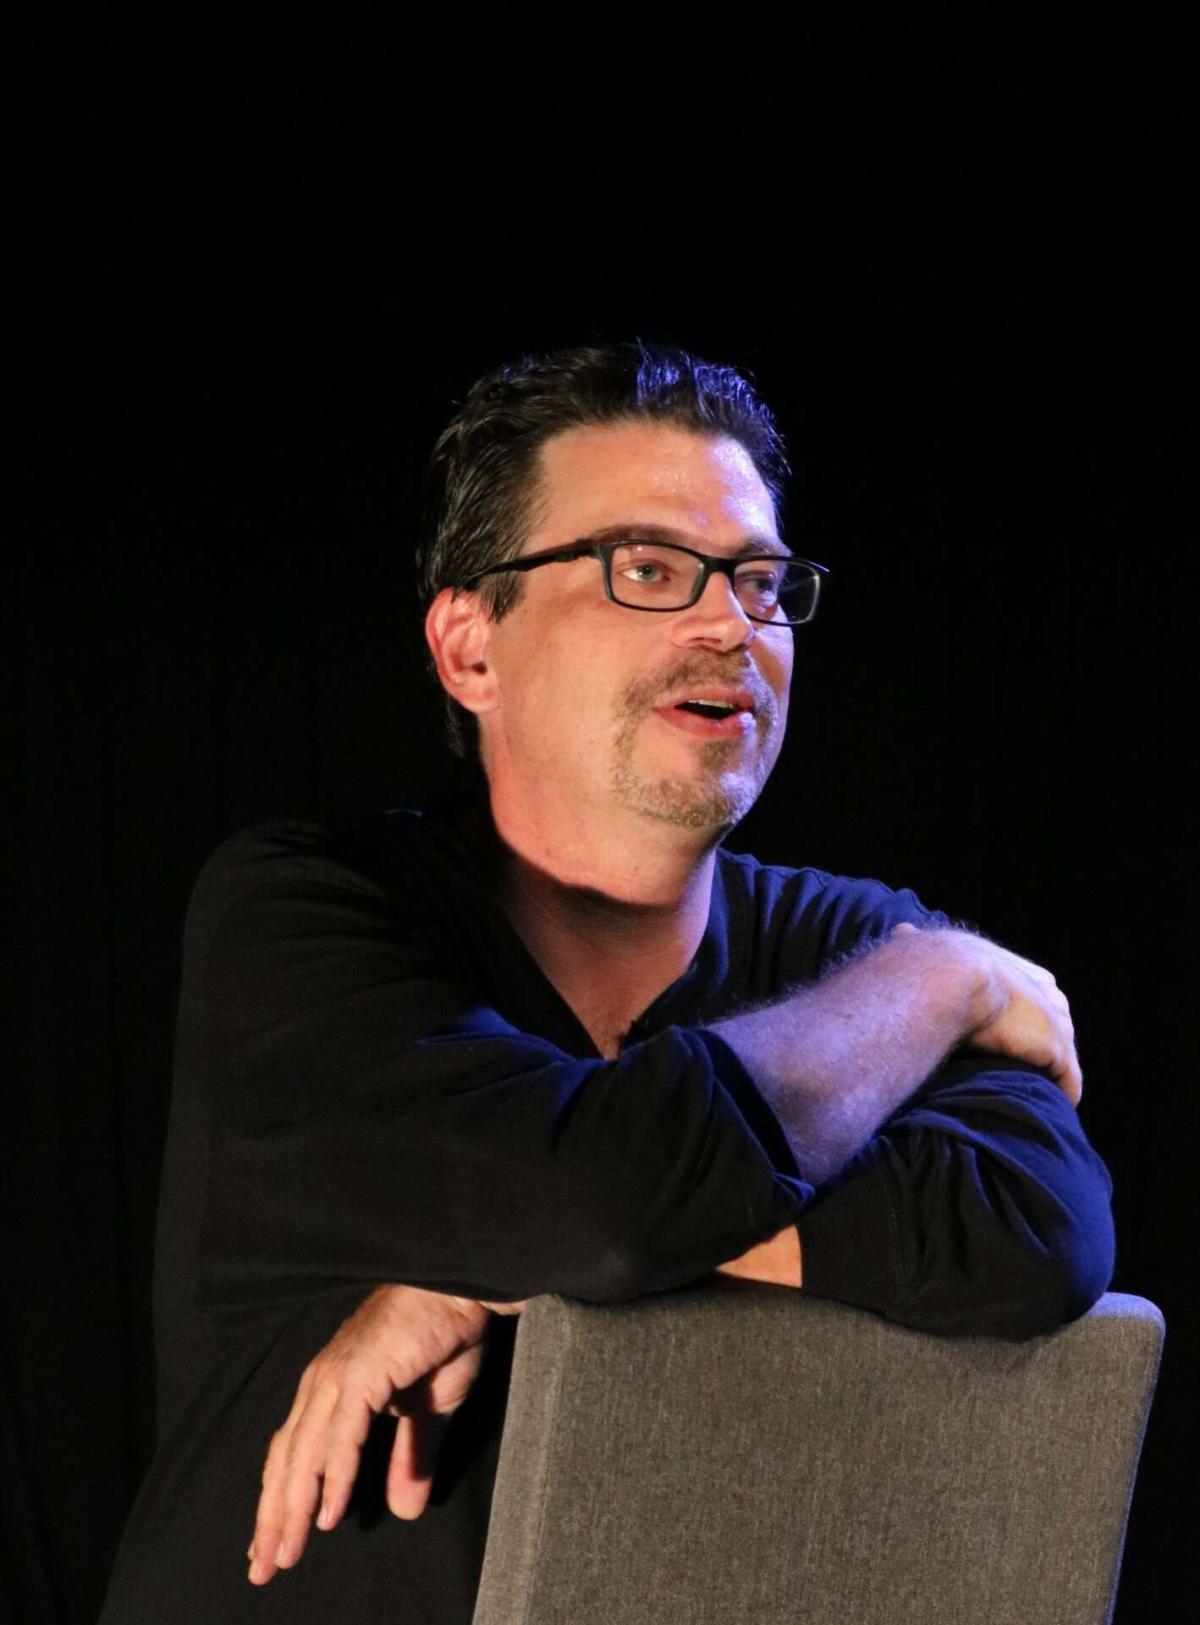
[646,692]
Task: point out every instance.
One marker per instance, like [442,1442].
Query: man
[551,1037]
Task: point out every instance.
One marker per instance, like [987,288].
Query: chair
[738,1452]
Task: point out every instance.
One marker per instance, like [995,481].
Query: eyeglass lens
[646,575]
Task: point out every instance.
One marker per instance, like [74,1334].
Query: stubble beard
[712,799]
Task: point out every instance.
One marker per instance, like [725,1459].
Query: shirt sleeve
[979,1207]
[374,1120]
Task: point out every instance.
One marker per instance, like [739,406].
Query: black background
[222,426]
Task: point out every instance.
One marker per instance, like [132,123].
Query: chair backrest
[743,1453]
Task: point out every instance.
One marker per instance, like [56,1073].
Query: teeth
[714,708]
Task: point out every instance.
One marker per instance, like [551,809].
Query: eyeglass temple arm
[574,550]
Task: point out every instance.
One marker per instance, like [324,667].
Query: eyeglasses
[665,576]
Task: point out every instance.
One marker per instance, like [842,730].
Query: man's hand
[1019,1010]
[835,1059]
[1024,1013]
[405,1350]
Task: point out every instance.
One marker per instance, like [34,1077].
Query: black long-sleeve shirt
[376,1082]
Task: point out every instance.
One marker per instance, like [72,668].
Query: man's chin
[714,806]
[711,788]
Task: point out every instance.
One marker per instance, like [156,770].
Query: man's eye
[765,586]
[651,573]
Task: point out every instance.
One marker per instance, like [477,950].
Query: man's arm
[373,1115]
[836,1060]
[978,1208]
[365,1092]
[993,1125]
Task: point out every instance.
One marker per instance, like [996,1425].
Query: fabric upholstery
[742,1452]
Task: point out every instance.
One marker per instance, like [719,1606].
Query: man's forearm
[836,1059]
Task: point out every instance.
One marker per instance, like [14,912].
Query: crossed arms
[881,1042]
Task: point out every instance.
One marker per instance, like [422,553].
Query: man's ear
[457,630]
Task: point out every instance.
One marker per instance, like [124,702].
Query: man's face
[584,718]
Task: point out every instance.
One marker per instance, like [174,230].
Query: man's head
[566,694]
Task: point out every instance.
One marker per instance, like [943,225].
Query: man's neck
[612,917]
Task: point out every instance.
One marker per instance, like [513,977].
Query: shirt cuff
[848,1244]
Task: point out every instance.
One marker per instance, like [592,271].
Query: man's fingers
[1065,1068]
[303,1464]
[395,1338]
[301,1497]
[324,1451]
[347,1433]
[1071,1081]
[268,1522]
[403,1498]
[1028,1031]
[423,1412]
[449,1385]
[1066,1073]
[414,1457]
[271,1516]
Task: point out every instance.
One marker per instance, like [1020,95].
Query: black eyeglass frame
[711,563]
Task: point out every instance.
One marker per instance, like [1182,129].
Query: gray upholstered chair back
[738,1452]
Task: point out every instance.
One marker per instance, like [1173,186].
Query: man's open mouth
[709,717]
[707,708]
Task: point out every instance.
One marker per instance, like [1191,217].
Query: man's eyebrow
[632,532]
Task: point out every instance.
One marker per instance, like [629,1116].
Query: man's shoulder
[841,909]
[377,853]
[270,843]
[771,876]
[803,881]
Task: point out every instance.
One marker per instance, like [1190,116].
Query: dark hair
[481,494]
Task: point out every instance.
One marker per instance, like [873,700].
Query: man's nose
[716,618]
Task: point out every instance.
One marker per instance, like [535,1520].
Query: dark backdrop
[214,621]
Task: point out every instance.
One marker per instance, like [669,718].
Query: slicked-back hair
[482,486]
